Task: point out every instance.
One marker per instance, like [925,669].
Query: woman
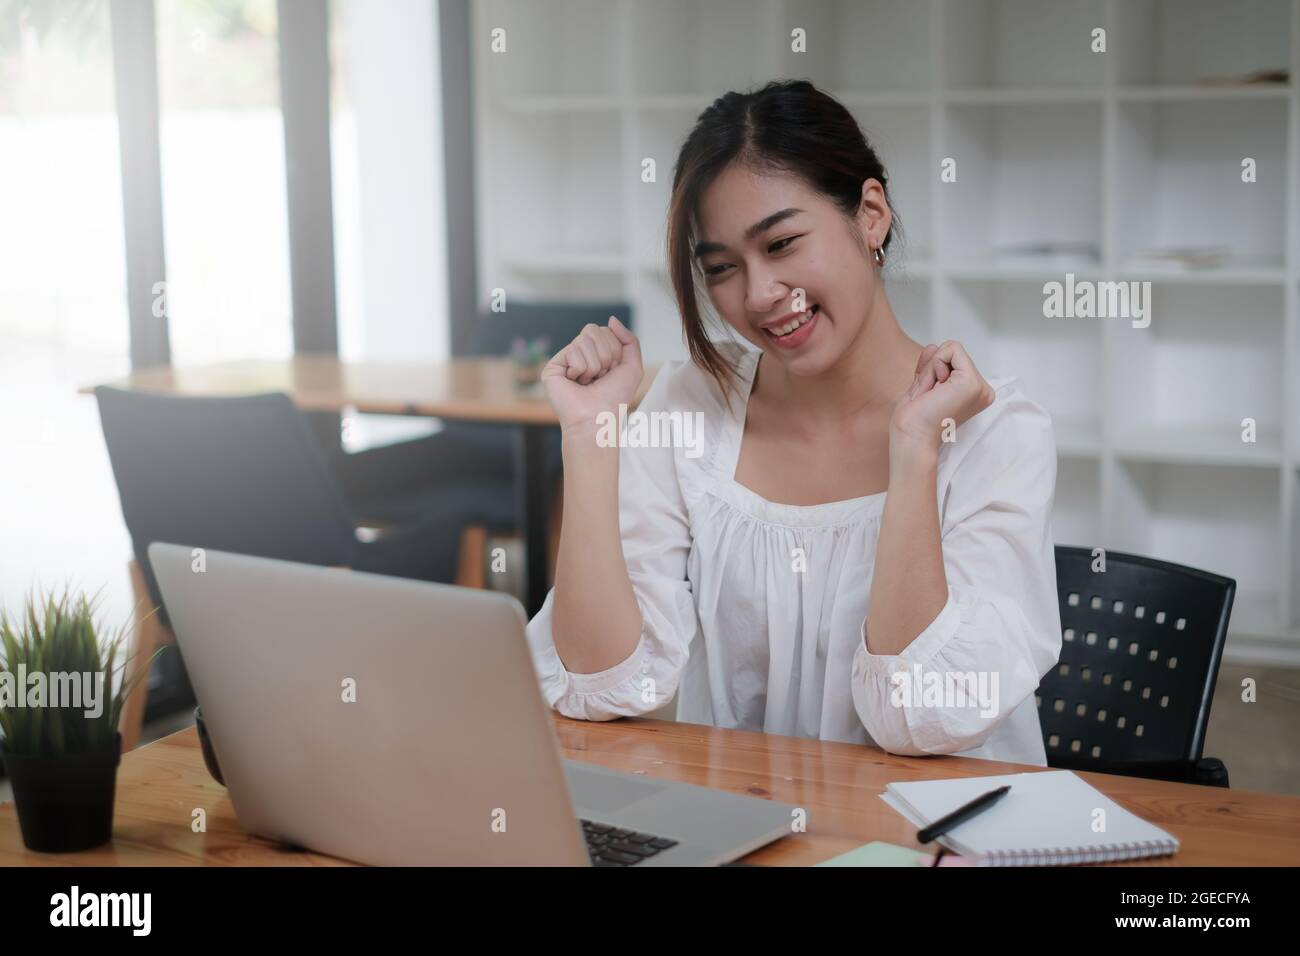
[859,547]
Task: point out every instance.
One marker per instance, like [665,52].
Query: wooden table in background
[160,785]
[474,390]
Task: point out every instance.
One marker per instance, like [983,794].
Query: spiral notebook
[1048,818]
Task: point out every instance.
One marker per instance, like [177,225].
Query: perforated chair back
[1141,644]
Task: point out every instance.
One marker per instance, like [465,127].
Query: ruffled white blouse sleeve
[656,534]
[1001,621]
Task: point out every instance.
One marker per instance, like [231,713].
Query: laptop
[398,722]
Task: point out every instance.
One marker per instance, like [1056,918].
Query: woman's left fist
[947,386]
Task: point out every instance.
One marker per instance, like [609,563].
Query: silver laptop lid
[374,718]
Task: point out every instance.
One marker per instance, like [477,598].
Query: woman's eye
[779,245]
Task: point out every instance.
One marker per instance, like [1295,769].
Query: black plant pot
[65,803]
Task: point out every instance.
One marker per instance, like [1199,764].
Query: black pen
[978,805]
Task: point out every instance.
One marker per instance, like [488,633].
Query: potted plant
[59,716]
[530,357]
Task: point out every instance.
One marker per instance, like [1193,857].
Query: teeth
[794,323]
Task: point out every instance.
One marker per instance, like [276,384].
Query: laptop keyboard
[611,846]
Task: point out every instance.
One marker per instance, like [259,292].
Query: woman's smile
[797,331]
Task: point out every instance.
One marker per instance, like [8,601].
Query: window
[225,220]
[63,317]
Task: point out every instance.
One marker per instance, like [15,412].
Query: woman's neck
[869,377]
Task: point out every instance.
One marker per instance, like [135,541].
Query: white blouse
[751,633]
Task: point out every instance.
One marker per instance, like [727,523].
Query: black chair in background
[558,323]
[470,460]
[1141,645]
[246,474]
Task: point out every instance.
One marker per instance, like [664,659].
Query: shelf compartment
[862,45]
[1077,503]
[1222,519]
[1185,41]
[1182,185]
[1022,44]
[560,48]
[698,47]
[1024,174]
[1210,357]
[1058,361]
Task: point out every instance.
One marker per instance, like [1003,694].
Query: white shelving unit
[1114,151]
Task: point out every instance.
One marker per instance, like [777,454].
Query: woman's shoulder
[1015,429]
[681,385]
[686,401]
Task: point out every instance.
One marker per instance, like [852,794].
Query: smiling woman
[794,143]
[864,506]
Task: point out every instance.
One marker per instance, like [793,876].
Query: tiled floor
[1259,742]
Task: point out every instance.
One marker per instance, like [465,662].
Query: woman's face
[765,236]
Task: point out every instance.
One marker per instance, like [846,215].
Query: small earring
[879,255]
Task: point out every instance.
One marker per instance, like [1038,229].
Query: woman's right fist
[596,372]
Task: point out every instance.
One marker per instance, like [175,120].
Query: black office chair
[245,474]
[1140,653]
[558,322]
[399,482]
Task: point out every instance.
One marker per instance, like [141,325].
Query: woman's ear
[874,217]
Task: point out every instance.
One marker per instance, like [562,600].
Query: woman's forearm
[596,621]
[908,587]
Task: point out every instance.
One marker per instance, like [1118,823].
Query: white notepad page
[1047,818]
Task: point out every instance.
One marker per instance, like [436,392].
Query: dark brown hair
[787,126]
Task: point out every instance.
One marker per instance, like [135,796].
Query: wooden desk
[160,785]
[478,390]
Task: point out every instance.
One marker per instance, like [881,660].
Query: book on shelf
[1047,255]
[1180,258]
[1256,78]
